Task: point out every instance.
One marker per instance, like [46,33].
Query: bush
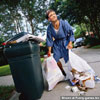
[1,40]
[6,92]
[3,59]
[43,51]
[92,41]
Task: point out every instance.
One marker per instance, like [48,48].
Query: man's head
[51,15]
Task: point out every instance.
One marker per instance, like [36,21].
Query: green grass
[6,92]
[5,70]
[42,59]
[96,47]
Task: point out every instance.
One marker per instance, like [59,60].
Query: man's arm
[70,34]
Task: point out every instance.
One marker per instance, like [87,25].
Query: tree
[21,15]
[8,12]
[33,11]
[81,11]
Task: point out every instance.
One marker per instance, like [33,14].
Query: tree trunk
[16,27]
[87,28]
[27,26]
[32,27]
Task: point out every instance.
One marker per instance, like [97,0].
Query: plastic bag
[87,80]
[79,64]
[52,73]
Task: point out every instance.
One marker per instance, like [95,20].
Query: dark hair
[47,13]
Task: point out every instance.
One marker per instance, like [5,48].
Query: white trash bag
[52,73]
[87,80]
[80,65]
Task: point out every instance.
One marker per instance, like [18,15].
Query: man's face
[52,16]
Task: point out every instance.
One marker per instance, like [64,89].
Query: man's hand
[70,46]
[49,53]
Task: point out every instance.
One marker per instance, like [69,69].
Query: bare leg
[61,68]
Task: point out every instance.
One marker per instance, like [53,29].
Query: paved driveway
[92,56]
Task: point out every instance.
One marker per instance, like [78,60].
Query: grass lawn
[96,47]
[42,59]
[6,92]
[5,70]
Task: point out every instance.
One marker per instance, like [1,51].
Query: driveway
[92,56]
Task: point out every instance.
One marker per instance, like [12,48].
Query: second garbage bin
[25,65]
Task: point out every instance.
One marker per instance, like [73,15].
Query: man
[59,36]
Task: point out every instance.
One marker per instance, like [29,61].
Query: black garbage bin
[25,65]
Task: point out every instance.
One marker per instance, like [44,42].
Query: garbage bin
[25,65]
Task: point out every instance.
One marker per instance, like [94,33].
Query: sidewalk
[6,80]
[60,90]
[91,56]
